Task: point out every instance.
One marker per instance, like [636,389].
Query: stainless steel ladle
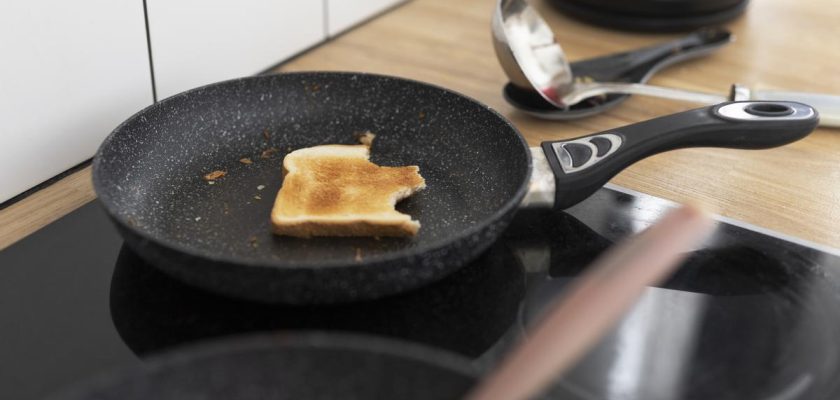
[531,57]
[533,60]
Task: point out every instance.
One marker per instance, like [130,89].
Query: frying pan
[148,175]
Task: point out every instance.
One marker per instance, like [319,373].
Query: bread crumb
[197,219]
[260,187]
[253,241]
[211,183]
[365,138]
[358,257]
[266,134]
[257,198]
[246,161]
[214,175]
[267,153]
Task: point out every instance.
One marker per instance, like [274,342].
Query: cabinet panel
[71,72]
[196,42]
[343,14]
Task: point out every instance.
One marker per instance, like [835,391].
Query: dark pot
[653,15]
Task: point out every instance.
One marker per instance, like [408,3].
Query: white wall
[343,14]
[71,71]
[196,42]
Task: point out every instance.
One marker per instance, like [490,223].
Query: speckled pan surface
[149,175]
[300,366]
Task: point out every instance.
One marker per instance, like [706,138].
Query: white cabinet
[343,14]
[196,42]
[71,72]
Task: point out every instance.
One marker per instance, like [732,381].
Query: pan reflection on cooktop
[749,316]
[466,312]
[745,321]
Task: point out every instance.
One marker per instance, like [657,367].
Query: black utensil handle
[690,43]
[636,64]
[582,165]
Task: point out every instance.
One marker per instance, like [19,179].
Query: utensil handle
[827,105]
[582,165]
[642,62]
[585,90]
[694,44]
[593,304]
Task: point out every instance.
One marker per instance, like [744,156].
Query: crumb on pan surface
[212,176]
[365,138]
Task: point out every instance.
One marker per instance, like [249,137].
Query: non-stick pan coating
[149,175]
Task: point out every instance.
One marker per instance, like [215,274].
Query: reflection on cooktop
[746,321]
[748,316]
[466,312]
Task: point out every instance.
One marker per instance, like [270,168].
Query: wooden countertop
[780,44]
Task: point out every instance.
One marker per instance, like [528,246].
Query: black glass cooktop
[751,315]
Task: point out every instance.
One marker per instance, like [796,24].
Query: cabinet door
[71,72]
[196,42]
[343,14]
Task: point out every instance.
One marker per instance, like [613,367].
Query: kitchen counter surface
[780,44]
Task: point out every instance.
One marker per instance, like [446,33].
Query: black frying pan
[148,175]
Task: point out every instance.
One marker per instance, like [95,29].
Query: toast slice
[334,190]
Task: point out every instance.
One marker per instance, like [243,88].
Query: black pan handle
[582,165]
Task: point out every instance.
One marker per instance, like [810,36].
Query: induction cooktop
[751,314]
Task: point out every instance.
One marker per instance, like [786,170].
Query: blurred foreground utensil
[594,303]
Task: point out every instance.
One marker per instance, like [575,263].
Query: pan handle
[582,165]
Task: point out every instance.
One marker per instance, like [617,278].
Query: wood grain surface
[780,44]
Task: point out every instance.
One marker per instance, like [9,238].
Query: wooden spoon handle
[594,303]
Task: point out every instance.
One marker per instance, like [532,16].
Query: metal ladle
[531,57]
[533,60]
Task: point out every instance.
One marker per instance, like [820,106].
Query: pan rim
[498,214]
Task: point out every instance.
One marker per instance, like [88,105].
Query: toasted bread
[334,190]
